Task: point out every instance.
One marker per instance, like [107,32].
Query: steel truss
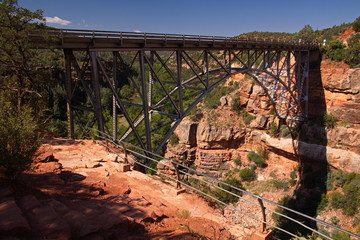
[169,84]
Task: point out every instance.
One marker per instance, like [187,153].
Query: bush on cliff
[247,174]
[253,156]
[225,196]
[18,139]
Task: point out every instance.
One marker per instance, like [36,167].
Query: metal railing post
[263,214]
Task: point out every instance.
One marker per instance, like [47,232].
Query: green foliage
[349,200]
[267,35]
[352,55]
[345,124]
[174,139]
[237,161]
[246,116]
[280,184]
[337,51]
[247,174]
[253,156]
[329,120]
[324,202]
[287,201]
[16,53]
[334,220]
[306,34]
[153,165]
[336,179]
[227,197]
[212,99]
[340,236]
[262,152]
[236,105]
[273,130]
[18,139]
[356,25]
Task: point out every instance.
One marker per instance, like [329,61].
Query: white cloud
[137,31]
[85,24]
[57,20]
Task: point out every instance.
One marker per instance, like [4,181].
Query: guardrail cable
[195,174]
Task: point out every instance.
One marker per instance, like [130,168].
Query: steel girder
[152,91]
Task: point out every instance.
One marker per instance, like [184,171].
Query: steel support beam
[115,84]
[145,100]
[96,88]
[162,88]
[68,86]
[179,80]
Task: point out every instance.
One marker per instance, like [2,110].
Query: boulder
[259,122]
[186,132]
[223,101]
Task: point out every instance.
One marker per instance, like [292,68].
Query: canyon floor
[76,190]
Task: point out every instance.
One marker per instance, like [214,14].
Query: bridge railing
[92,34]
[264,205]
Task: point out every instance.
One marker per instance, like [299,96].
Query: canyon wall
[221,136]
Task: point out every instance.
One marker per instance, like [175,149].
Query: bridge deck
[110,40]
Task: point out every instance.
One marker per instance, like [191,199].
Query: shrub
[237,161]
[293,175]
[280,184]
[247,174]
[212,99]
[340,236]
[338,200]
[225,196]
[329,120]
[253,156]
[262,152]
[236,105]
[174,139]
[324,202]
[334,220]
[345,124]
[273,130]
[18,139]
[246,116]
[356,25]
[287,201]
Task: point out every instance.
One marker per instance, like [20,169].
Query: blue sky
[221,18]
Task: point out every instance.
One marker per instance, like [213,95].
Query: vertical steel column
[96,87]
[206,60]
[68,85]
[179,81]
[145,100]
[229,61]
[115,123]
[150,83]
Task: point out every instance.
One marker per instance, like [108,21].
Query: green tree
[356,25]
[18,140]
[306,34]
[20,82]
[17,74]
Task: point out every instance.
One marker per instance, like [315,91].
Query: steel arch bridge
[170,74]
